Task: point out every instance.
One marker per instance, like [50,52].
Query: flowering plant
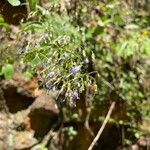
[60,53]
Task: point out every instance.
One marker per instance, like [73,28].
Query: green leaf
[27,76]
[34,62]
[32,4]
[2,19]
[8,71]
[72,132]
[137,135]
[14,2]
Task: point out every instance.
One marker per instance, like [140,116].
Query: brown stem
[103,126]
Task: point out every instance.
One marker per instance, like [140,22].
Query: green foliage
[32,3]
[93,44]
[3,24]
[136,44]
[2,21]
[42,147]
[71,132]
[114,44]
[60,53]
[27,76]
[120,43]
[7,71]
[14,2]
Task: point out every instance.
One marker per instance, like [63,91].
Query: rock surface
[31,114]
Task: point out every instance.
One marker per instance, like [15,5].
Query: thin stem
[103,126]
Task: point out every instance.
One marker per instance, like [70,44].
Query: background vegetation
[90,54]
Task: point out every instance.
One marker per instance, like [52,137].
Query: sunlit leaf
[27,76]
[8,71]
[32,4]
[14,2]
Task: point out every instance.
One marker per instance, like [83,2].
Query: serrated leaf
[8,71]
[14,2]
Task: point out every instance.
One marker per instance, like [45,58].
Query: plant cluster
[95,44]
[58,55]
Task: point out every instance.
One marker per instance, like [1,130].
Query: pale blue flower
[75,69]
[51,74]
[49,86]
[75,96]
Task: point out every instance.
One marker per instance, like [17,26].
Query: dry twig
[102,127]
